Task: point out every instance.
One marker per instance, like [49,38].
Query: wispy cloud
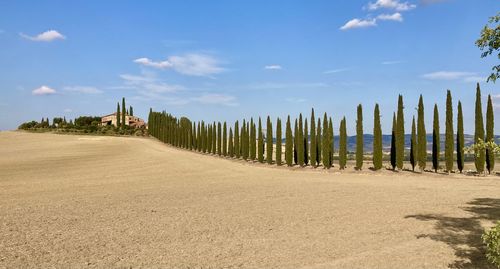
[391,17]
[359,23]
[149,83]
[43,90]
[454,75]
[295,100]
[83,89]
[46,36]
[68,110]
[273,67]
[391,62]
[391,4]
[280,86]
[192,64]
[216,99]
[430,2]
[333,71]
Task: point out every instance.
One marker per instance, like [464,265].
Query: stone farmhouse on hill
[131,121]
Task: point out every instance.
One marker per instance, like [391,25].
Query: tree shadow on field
[463,235]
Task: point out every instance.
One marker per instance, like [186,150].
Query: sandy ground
[109,202]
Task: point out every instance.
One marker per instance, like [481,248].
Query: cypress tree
[224,139]
[306,143]
[236,143]
[247,140]
[269,141]
[343,144]
[244,141]
[393,142]
[448,145]
[253,140]
[460,138]
[435,140]
[490,155]
[219,139]
[209,139]
[400,131]
[319,145]
[326,143]
[331,140]
[278,141]
[413,146]
[199,139]
[230,147]
[359,138]
[131,111]
[421,136]
[312,147]
[295,142]
[203,138]
[260,144]
[214,138]
[123,113]
[288,143]
[377,139]
[479,132]
[118,118]
[300,142]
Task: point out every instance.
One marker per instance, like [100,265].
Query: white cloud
[190,64]
[83,89]
[475,79]
[295,100]
[46,36]
[279,86]
[273,67]
[43,90]
[455,75]
[68,110]
[391,4]
[391,62]
[149,83]
[357,23]
[333,71]
[216,99]
[391,17]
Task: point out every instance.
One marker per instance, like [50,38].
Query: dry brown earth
[109,202]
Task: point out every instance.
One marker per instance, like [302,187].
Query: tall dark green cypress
[460,138]
[199,138]
[230,147]
[203,138]
[359,138]
[326,143]
[289,143]
[306,143]
[247,139]
[377,139]
[219,139]
[123,112]
[278,141]
[413,145]
[393,142]
[449,136]
[479,132]
[295,142]
[224,139]
[435,140]
[400,137]
[236,143]
[319,143]
[300,142]
[131,111]
[312,147]
[490,155]
[244,141]
[269,141]
[421,136]
[209,139]
[253,140]
[260,144]
[330,142]
[118,118]
[214,138]
[343,144]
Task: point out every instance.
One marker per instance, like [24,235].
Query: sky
[229,60]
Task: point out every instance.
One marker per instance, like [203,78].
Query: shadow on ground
[464,234]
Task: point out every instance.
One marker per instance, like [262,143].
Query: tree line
[311,143]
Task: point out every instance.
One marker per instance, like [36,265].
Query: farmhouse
[131,121]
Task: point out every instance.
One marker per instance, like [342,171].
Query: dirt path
[101,202]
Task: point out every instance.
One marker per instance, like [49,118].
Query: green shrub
[492,240]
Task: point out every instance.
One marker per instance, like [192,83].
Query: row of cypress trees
[314,144]
[120,115]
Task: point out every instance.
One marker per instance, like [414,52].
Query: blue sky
[228,60]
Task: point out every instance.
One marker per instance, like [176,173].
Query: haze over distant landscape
[225,59]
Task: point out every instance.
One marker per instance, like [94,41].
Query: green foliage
[330,141]
[490,157]
[377,139]
[224,139]
[326,143]
[319,143]
[288,143]
[124,113]
[359,138]
[435,140]
[400,134]
[306,143]
[491,239]
[343,144]
[449,136]
[214,139]
[219,139]
[269,141]
[489,43]
[393,142]
[230,147]
[236,144]
[413,145]
[300,142]
[421,136]
[295,142]
[460,138]
[312,148]
[278,141]
[260,144]
[253,140]
[479,132]
[118,117]
[244,141]
[131,111]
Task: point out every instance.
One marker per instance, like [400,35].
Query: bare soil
[69,201]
